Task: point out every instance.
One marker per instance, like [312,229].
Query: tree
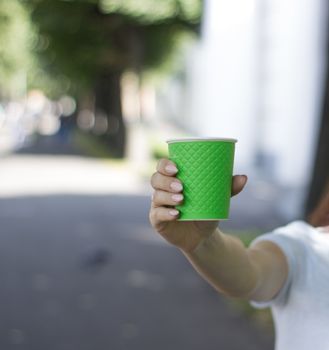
[16,41]
[91,43]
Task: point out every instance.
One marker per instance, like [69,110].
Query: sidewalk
[24,175]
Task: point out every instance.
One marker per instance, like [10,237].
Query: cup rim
[184,139]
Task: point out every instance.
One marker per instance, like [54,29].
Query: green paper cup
[205,167]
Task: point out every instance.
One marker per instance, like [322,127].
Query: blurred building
[258,75]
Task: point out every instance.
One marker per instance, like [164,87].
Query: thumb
[238,183]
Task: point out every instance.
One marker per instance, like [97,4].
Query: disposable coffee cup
[205,168]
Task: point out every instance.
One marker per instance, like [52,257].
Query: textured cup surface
[205,168]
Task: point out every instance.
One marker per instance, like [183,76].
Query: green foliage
[73,41]
[16,40]
[146,12]
[70,46]
[161,60]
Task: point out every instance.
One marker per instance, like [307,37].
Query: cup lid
[183,139]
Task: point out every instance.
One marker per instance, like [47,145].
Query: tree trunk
[108,105]
[320,177]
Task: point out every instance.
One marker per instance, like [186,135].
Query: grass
[261,317]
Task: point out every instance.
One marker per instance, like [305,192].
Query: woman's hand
[168,192]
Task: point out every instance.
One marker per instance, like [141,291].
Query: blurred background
[89,92]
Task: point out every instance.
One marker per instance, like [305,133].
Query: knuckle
[151,216]
[156,196]
[160,181]
[153,178]
[156,215]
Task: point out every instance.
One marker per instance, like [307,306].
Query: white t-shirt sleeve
[290,239]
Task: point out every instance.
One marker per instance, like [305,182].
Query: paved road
[84,271]
[87,272]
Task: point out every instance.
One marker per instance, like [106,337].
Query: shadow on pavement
[49,145]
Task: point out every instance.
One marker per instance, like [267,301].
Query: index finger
[166,167]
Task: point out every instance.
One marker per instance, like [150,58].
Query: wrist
[206,244]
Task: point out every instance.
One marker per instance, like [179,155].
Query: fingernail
[177,197]
[171,169]
[176,186]
[173,212]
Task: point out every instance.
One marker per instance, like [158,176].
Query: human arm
[255,273]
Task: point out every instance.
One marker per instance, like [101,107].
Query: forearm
[224,262]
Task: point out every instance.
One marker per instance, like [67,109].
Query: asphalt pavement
[83,269]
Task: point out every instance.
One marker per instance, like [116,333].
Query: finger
[238,183]
[166,167]
[162,198]
[166,183]
[161,214]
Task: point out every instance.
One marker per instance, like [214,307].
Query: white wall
[257,75]
[221,98]
[295,62]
